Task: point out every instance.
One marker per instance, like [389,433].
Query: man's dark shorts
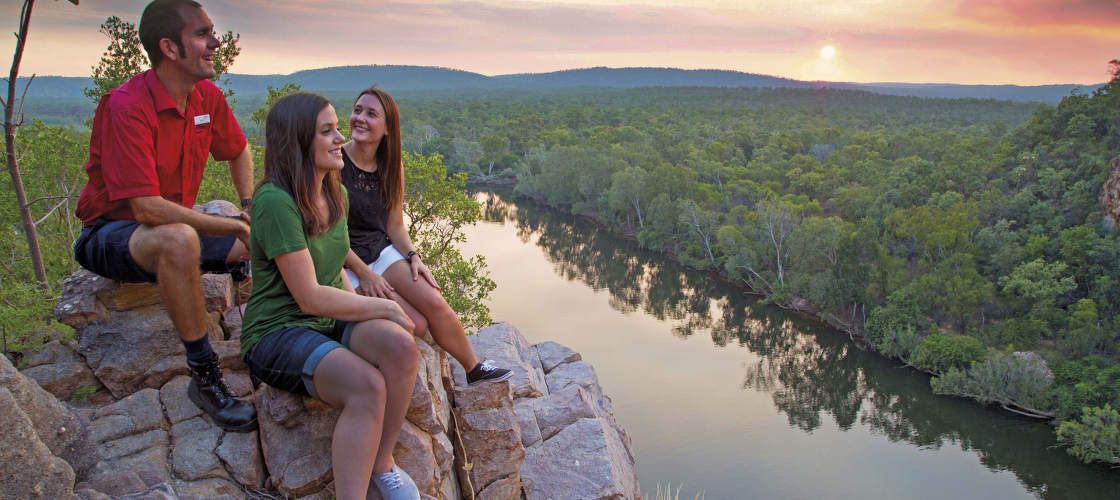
[286,358]
[103,249]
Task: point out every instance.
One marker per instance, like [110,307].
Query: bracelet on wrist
[245,202]
[410,255]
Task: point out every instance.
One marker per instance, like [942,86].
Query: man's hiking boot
[487,372]
[209,392]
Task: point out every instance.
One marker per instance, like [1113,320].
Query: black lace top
[368,218]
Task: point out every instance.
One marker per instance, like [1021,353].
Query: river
[735,399]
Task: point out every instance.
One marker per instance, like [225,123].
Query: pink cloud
[1090,13]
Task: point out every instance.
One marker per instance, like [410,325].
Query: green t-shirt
[277,229]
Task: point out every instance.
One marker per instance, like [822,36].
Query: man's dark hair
[162,19]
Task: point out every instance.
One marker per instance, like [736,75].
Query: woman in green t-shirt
[305,330]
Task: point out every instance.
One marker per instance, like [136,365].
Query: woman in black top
[383,261]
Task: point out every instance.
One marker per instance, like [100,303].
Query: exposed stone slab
[175,402]
[208,489]
[161,491]
[241,454]
[63,430]
[52,352]
[553,354]
[490,434]
[562,408]
[582,374]
[28,469]
[585,461]
[507,488]
[192,450]
[142,408]
[133,473]
[296,439]
[134,443]
[527,421]
[507,348]
[63,379]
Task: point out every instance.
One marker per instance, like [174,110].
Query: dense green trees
[944,232]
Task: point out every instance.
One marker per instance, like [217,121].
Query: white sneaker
[396,485]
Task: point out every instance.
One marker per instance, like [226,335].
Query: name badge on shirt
[201,119]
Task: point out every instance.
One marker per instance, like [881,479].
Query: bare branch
[23,98]
[51,211]
[42,198]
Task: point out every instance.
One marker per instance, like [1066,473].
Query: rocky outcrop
[547,432]
[296,436]
[1110,195]
[572,446]
[109,316]
[60,428]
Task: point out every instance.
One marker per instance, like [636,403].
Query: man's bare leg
[171,252]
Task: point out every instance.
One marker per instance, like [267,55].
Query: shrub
[1014,383]
[1091,381]
[938,353]
[1096,437]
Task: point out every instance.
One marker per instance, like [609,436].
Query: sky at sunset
[1026,42]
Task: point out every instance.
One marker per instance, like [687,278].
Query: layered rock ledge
[547,432]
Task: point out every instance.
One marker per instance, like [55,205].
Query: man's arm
[157,211]
[241,170]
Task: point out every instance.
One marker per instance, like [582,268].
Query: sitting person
[148,145]
[305,330]
[384,262]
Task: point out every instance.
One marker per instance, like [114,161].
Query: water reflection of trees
[811,374]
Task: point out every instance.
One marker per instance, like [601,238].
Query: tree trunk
[10,127]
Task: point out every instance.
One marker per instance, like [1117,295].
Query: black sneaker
[487,372]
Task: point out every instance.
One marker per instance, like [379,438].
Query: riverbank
[727,395]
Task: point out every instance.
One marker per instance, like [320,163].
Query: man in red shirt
[150,140]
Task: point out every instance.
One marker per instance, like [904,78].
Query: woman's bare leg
[393,351]
[345,380]
[442,321]
[417,319]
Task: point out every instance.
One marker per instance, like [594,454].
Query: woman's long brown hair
[289,130]
[388,156]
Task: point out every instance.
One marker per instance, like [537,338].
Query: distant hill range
[409,78]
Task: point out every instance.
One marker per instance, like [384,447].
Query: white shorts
[388,256]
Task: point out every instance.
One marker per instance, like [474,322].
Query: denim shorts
[103,249]
[286,358]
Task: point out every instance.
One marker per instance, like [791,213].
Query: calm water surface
[726,396]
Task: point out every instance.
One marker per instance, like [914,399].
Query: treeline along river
[725,395]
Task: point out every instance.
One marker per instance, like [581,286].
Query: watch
[409,255]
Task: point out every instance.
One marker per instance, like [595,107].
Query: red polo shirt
[142,145]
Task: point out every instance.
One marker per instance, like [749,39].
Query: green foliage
[51,166]
[1001,378]
[938,353]
[123,58]
[1019,333]
[1038,286]
[25,311]
[437,210]
[82,394]
[1095,437]
[1084,382]
[893,329]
